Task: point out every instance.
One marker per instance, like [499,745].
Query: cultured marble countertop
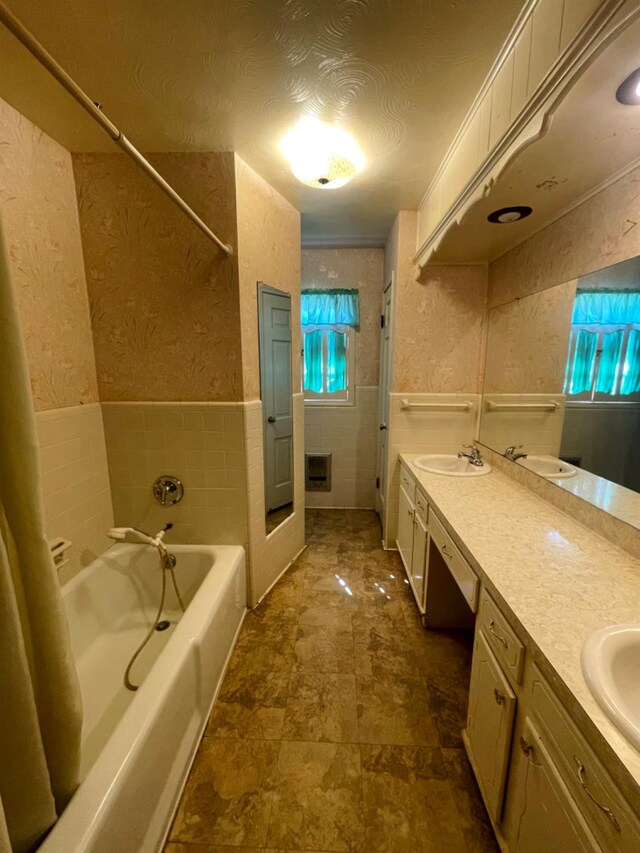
[559,582]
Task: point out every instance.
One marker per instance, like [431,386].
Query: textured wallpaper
[164,299]
[268,251]
[364,270]
[40,219]
[603,231]
[439,319]
[527,342]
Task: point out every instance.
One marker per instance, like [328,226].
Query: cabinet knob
[499,697]
[446,553]
[525,746]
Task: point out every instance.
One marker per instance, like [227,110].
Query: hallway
[338,723]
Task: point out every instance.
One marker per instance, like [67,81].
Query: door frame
[386,371]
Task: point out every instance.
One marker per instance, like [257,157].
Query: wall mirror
[274,324]
[562,379]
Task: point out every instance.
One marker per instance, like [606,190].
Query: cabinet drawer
[607,813]
[408,484]
[462,572]
[422,507]
[503,641]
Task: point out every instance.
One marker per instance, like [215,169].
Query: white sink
[611,667]
[450,465]
[548,466]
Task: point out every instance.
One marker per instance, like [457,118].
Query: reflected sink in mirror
[450,465]
[611,668]
[548,467]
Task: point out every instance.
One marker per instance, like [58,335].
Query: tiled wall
[200,443]
[539,432]
[423,432]
[350,434]
[270,555]
[75,479]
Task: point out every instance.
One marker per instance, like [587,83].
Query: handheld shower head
[130,534]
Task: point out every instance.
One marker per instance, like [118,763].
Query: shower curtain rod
[44,58]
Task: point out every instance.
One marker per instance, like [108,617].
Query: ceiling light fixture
[509,214]
[322,155]
[628,92]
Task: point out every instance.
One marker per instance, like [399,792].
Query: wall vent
[317,472]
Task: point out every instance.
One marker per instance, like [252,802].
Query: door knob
[271,419]
[382,427]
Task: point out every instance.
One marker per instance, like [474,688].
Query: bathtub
[137,747]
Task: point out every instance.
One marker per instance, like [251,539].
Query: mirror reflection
[274,322]
[562,386]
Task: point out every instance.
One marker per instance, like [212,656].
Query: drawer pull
[446,553]
[410,511]
[525,746]
[499,697]
[492,628]
[581,774]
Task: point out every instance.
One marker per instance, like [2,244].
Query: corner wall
[41,229]
[268,251]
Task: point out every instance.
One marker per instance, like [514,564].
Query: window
[329,362]
[329,321]
[604,348]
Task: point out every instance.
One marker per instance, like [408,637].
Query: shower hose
[167,563]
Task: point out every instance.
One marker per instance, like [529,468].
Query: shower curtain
[40,707]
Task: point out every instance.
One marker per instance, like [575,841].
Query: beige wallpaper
[527,342]
[364,270]
[268,251]
[164,299]
[603,231]
[40,220]
[439,320]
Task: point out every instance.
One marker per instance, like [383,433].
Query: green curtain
[583,359]
[336,361]
[338,307]
[608,365]
[631,374]
[312,343]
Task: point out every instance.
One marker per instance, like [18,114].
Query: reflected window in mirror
[604,347]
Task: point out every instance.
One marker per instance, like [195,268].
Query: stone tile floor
[337,727]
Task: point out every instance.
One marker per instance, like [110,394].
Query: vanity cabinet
[492,707]
[540,814]
[413,513]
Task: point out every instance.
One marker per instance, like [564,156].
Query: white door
[406,512]
[383,397]
[275,378]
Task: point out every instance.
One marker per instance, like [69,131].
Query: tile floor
[337,727]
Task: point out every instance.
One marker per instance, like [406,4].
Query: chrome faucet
[473,456]
[511,453]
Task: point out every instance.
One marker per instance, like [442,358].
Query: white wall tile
[75,482]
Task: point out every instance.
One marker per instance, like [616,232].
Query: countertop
[557,579]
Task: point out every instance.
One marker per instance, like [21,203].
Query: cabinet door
[418,559]
[492,706]
[405,529]
[540,815]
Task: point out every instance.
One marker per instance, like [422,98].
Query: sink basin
[611,667]
[548,466]
[450,465]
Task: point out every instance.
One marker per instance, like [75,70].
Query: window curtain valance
[606,308]
[330,307]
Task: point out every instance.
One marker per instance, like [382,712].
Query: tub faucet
[511,453]
[473,456]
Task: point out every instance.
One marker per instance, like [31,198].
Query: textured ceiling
[212,75]
[591,137]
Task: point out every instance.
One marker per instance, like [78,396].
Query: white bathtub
[138,747]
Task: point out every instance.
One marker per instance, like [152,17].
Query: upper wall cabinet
[553,47]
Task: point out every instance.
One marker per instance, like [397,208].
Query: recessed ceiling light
[509,214]
[322,155]
[628,92]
